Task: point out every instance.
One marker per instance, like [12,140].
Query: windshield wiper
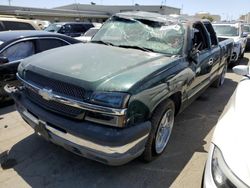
[137,47]
[102,42]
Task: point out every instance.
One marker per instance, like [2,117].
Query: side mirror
[3,60]
[242,70]
[245,34]
[194,55]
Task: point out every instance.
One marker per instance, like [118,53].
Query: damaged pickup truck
[116,98]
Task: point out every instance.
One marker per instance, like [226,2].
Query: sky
[228,9]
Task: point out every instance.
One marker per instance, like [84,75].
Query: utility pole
[9,2]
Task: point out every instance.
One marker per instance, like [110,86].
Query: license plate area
[41,130]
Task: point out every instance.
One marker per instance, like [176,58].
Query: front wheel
[162,124]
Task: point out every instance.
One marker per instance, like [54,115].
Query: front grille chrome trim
[75,103]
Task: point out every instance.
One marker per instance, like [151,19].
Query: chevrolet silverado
[115,98]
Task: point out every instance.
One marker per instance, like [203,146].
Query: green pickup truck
[115,98]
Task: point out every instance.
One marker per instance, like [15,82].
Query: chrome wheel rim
[164,131]
[222,80]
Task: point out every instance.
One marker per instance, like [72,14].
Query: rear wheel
[242,55]
[220,81]
[162,124]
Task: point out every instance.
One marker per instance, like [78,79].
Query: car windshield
[91,32]
[226,30]
[247,28]
[159,37]
[53,27]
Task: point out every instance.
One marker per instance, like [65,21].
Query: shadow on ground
[7,108]
[244,61]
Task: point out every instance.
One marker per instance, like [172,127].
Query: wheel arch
[176,97]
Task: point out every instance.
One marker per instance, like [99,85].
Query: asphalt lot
[33,162]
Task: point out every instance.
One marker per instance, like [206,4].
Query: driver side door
[203,65]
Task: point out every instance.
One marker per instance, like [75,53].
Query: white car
[228,163]
[236,32]
[87,36]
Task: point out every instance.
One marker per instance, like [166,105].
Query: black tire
[220,81]
[242,55]
[150,152]
[234,63]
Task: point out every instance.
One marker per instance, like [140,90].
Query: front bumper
[109,145]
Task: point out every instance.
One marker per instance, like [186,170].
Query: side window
[87,27]
[10,25]
[19,51]
[46,44]
[78,28]
[200,40]
[65,29]
[214,41]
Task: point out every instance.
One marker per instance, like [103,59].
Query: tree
[208,18]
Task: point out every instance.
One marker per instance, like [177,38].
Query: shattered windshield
[167,37]
[226,30]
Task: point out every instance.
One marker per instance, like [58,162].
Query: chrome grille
[62,88]
[54,106]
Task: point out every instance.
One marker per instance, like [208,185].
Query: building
[81,12]
[245,18]
[206,15]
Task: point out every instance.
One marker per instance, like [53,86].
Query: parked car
[247,30]
[7,24]
[17,45]
[119,101]
[72,29]
[229,156]
[86,37]
[236,32]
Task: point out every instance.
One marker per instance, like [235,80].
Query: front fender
[142,105]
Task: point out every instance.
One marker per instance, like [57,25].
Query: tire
[234,63]
[220,81]
[160,124]
[242,55]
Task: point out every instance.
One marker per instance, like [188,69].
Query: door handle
[211,62]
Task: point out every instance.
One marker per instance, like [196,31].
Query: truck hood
[96,66]
[232,132]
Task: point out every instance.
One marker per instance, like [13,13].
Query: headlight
[110,99]
[222,175]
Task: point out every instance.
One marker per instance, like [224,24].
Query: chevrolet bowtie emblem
[46,94]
